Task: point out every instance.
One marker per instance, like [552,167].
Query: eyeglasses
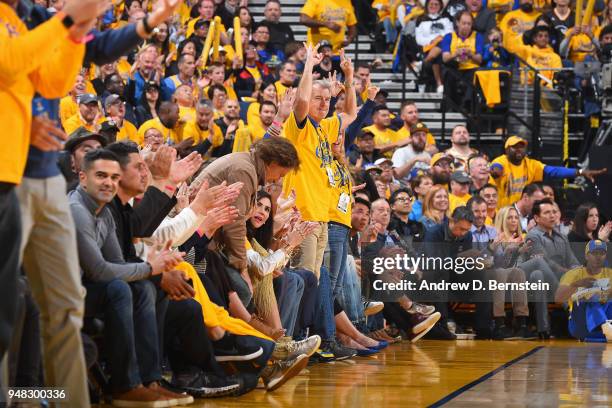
[403,199]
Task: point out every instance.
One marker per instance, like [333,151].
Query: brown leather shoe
[181,399]
[141,397]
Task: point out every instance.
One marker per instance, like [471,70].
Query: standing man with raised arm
[311,134]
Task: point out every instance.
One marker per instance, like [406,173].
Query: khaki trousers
[310,253]
[50,260]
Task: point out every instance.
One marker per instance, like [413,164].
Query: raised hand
[591,174]
[160,163]
[336,86]
[372,90]
[45,135]
[182,169]
[312,54]
[82,11]
[347,66]
[286,104]
[217,218]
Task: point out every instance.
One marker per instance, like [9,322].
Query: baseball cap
[324,43]
[418,127]
[111,100]
[79,136]
[514,140]
[383,160]
[461,177]
[364,133]
[595,245]
[221,49]
[88,98]
[441,156]
[372,166]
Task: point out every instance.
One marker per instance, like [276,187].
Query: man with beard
[414,155]
[186,67]
[441,166]
[478,169]
[409,113]
[167,123]
[88,115]
[513,170]
[146,64]
[202,132]
[113,84]
[115,112]
[460,147]
[365,153]
[516,22]
[229,123]
[329,64]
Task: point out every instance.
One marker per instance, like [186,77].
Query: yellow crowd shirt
[382,137]
[74,122]
[455,201]
[540,58]
[457,43]
[404,132]
[193,130]
[187,113]
[513,25]
[340,12]
[42,60]
[280,89]
[576,274]
[68,108]
[246,136]
[170,135]
[311,181]
[514,178]
[231,93]
[127,131]
[580,47]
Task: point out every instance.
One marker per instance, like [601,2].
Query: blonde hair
[428,209]
[501,221]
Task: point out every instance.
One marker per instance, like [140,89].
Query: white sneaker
[606,328]
[371,308]
[440,89]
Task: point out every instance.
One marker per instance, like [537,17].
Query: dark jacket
[281,34]
[245,82]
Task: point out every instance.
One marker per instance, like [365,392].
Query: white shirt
[404,154]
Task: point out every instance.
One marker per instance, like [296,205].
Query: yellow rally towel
[214,315]
[489,82]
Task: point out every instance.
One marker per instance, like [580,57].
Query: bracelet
[146,26]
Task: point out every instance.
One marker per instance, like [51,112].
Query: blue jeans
[337,239]
[351,300]
[288,288]
[306,312]
[113,301]
[325,324]
[586,317]
[390,31]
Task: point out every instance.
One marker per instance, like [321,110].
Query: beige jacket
[237,167]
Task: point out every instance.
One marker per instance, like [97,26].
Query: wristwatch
[67,21]
[145,24]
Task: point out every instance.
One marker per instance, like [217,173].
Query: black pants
[187,344]
[10,241]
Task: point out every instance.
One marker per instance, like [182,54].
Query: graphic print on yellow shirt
[311,181]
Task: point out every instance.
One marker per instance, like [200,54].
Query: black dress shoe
[440,332]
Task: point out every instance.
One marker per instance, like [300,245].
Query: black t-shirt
[562,25]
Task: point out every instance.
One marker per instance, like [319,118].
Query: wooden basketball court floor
[559,373]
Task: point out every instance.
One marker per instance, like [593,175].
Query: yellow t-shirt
[404,132]
[68,108]
[199,135]
[457,201]
[254,71]
[340,12]
[513,25]
[311,181]
[169,135]
[581,272]
[580,47]
[340,208]
[514,178]
[280,89]
[74,122]
[246,136]
[382,137]
[187,114]
[127,131]
[540,58]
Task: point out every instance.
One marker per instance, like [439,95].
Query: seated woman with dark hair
[587,227]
